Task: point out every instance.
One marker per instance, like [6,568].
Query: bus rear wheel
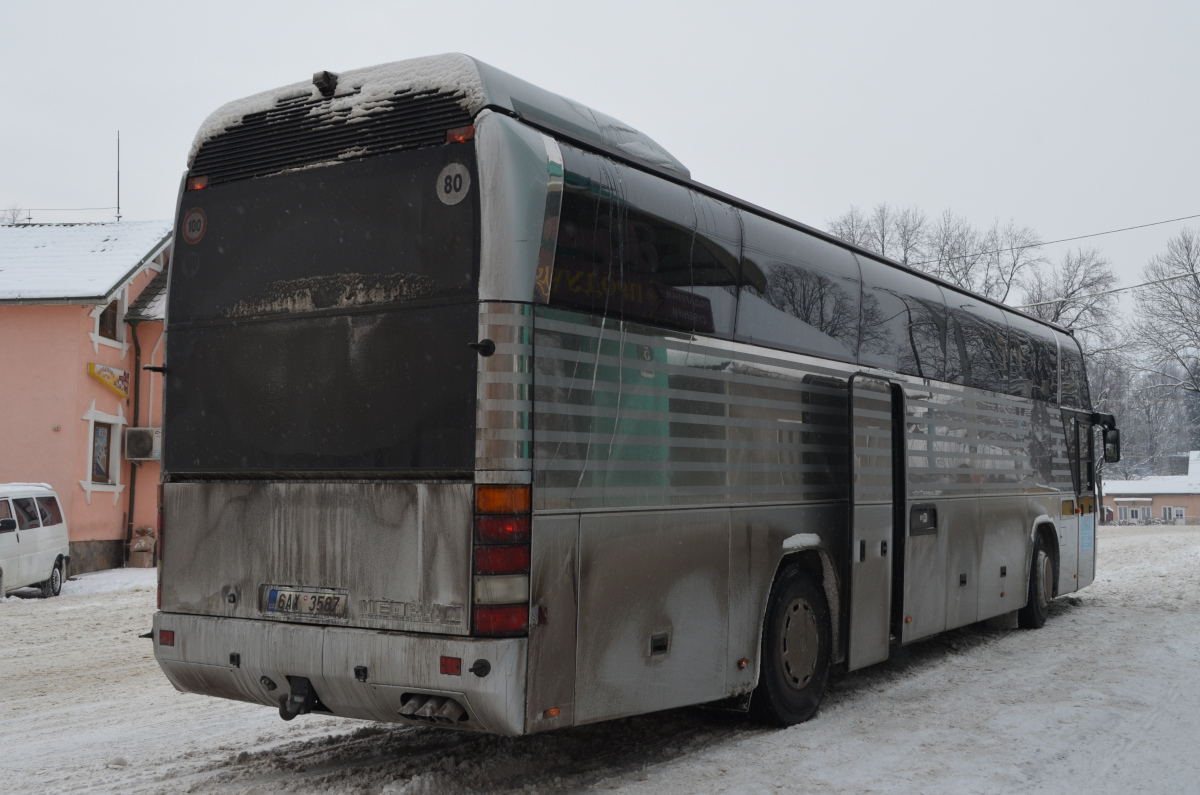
[795,650]
[1041,587]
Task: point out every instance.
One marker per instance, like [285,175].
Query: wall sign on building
[111,377]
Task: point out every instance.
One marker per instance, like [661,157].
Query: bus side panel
[1005,535]
[925,582]
[554,592]
[653,611]
[963,547]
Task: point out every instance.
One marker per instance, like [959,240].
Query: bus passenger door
[1069,510]
[872,496]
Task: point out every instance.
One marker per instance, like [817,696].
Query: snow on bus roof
[60,262]
[477,85]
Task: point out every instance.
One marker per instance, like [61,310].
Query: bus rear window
[363,233]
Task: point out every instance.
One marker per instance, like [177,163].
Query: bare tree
[1008,252]
[953,251]
[908,234]
[1075,294]
[851,227]
[879,229]
[11,216]
[1167,326]
[899,234]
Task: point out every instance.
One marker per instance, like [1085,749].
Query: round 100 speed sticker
[194,225]
[453,183]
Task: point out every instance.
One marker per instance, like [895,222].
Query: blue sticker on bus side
[271,600]
[1085,533]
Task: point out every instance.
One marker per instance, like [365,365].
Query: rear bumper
[399,665]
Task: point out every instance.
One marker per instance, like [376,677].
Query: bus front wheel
[795,650]
[1041,587]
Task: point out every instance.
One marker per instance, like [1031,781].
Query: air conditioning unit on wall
[143,444]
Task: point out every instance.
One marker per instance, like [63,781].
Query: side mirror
[1112,445]
[7,525]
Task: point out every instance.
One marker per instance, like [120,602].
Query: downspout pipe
[134,466]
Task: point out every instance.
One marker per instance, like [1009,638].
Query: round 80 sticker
[194,225]
[453,183]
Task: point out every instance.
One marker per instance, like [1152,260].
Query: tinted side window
[903,322]
[629,245]
[981,343]
[5,511]
[1032,359]
[799,293]
[1072,381]
[51,513]
[27,513]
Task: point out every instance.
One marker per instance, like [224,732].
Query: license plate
[307,602]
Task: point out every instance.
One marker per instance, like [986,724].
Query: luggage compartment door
[872,494]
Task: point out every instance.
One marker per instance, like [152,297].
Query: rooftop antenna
[118,176]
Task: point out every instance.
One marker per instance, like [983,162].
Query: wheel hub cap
[799,643]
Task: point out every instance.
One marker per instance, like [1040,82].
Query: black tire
[53,586]
[1041,586]
[792,674]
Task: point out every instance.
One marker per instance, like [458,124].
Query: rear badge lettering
[416,612]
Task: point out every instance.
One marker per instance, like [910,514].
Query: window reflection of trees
[813,298]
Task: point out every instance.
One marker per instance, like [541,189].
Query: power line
[1109,292]
[1062,240]
[62,209]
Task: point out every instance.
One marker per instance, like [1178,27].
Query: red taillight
[501,619]
[501,560]
[460,134]
[166,637]
[502,529]
[452,666]
[197,183]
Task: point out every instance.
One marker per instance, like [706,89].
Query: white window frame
[1168,512]
[114,486]
[121,343]
[1122,513]
[1180,512]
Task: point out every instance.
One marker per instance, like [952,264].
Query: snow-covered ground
[1104,698]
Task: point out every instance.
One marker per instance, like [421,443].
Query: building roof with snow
[151,303]
[1169,484]
[75,263]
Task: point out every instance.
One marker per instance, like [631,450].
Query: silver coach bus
[482,414]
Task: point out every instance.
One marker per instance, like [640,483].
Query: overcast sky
[1069,117]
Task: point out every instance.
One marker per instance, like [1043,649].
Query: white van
[33,538]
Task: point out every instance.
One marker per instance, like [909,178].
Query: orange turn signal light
[460,135]
[197,183]
[503,499]
[553,712]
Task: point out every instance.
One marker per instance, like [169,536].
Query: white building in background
[1170,499]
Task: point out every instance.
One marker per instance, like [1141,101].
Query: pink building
[80,314]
